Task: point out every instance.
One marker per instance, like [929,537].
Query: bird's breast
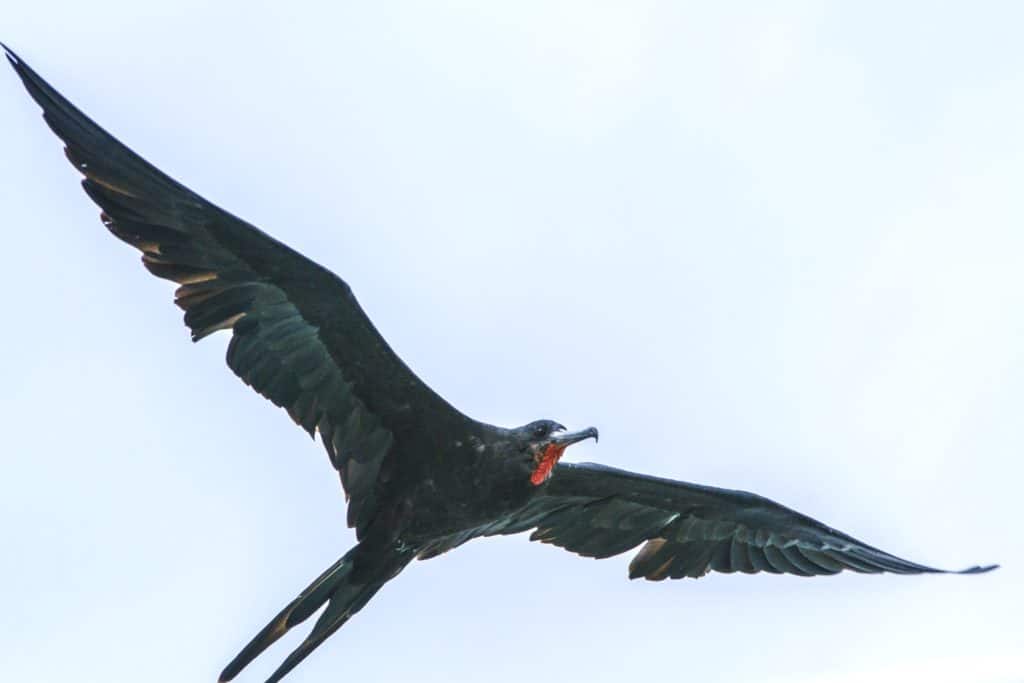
[468,488]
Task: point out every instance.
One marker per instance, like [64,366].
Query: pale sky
[777,249]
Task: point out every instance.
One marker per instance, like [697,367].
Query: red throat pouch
[547,463]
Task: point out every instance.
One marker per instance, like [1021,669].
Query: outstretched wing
[299,337]
[688,530]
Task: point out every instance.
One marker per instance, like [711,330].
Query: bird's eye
[541,430]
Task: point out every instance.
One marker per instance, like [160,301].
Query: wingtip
[10,54]
[979,569]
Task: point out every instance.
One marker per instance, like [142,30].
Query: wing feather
[299,337]
[688,530]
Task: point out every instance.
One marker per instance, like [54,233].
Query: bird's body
[421,478]
[452,487]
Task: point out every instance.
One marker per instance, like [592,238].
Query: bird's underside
[420,477]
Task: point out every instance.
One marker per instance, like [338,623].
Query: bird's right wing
[299,337]
[688,530]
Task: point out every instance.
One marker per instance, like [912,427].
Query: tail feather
[345,594]
[340,609]
[297,611]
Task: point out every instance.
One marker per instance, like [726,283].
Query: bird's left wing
[688,530]
[299,337]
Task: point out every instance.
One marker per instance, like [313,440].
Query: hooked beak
[569,438]
[547,458]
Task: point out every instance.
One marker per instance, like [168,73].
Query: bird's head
[545,441]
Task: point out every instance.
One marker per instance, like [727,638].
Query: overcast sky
[772,249]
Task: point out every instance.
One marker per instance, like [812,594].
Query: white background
[772,249]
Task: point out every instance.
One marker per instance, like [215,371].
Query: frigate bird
[420,477]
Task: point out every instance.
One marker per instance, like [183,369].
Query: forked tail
[345,591]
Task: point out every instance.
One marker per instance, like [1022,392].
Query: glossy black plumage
[299,336]
[689,529]
[421,477]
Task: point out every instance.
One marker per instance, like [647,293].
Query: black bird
[420,477]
